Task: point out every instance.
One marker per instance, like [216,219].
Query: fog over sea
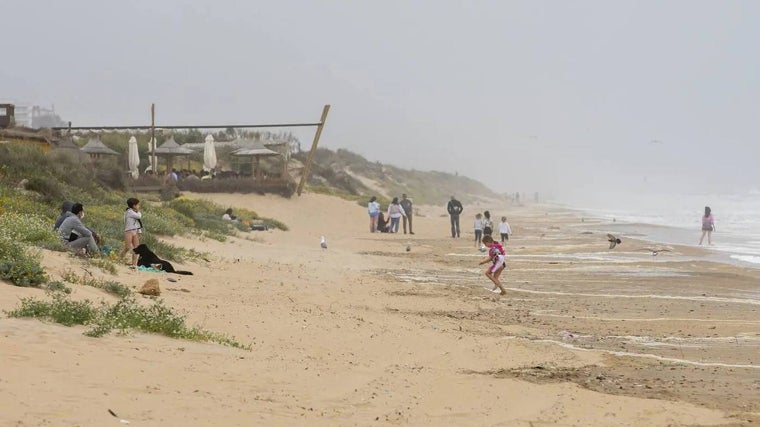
[677,219]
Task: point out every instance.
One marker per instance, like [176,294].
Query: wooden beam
[307,166]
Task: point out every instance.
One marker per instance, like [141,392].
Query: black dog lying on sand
[147,258]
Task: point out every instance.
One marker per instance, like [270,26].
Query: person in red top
[496,256]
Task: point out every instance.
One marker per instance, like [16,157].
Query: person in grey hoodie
[65,212]
[74,234]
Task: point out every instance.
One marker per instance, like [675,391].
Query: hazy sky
[555,96]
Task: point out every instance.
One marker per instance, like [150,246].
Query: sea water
[677,219]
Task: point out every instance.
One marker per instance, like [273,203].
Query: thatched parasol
[171,149]
[256,151]
[95,148]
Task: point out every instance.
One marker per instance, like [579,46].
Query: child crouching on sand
[496,256]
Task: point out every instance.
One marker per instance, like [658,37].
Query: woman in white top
[132,228]
[395,212]
[373,209]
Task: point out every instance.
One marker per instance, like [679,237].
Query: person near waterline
[408,208]
[708,226]
[373,209]
[454,208]
[75,235]
[395,212]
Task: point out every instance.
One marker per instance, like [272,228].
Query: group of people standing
[82,240]
[483,225]
[389,222]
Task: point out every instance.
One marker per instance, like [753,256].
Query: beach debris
[614,241]
[171,279]
[654,251]
[150,288]
[121,420]
[408,248]
[323,243]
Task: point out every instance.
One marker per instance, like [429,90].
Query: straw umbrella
[134,158]
[256,152]
[95,148]
[209,154]
[171,149]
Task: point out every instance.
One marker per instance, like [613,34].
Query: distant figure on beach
[487,224]
[497,258]
[708,226]
[75,235]
[408,208]
[478,227]
[504,229]
[395,212]
[454,209]
[373,209]
[132,229]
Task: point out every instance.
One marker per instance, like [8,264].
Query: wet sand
[366,333]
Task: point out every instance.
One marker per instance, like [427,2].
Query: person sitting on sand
[75,235]
[496,256]
[708,226]
[382,224]
[65,213]
[228,215]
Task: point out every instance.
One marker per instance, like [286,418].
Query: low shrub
[123,316]
[19,265]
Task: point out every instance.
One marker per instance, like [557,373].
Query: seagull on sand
[323,243]
[654,251]
[614,241]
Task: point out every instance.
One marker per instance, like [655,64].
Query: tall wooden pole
[153,165]
[307,166]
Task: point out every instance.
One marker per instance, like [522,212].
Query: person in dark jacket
[455,209]
[408,208]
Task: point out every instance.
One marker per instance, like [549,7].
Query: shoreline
[725,252]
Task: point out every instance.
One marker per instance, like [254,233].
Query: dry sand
[366,333]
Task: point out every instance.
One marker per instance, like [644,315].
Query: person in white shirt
[373,209]
[478,226]
[504,229]
[132,229]
[395,212]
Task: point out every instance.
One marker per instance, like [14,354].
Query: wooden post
[307,166]
[152,142]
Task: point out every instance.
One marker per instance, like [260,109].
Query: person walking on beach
[407,205]
[75,235]
[373,209]
[132,229]
[708,226]
[504,229]
[497,258]
[455,209]
[487,224]
[395,212]
[478,226]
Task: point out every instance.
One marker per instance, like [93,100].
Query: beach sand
[366,333]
